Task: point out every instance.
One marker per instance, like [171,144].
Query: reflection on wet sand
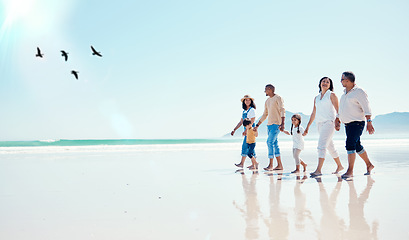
[251,208]
[277,219]
[332,226]
[277,222]
[358,227]
[300,198]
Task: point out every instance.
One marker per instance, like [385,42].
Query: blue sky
[177,69]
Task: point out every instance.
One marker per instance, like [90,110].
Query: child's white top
[324,109]
[298,139]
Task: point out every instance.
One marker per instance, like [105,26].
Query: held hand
[370,128]
[282,127]
[305,132]
[337,124]
[255,129]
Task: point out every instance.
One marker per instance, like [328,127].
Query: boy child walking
[251,142]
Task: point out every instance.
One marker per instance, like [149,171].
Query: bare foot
[339,169]
[369,169]
[304,165]
[238,165]
[315,174]
[254,167]
[278,168]
[268,168]
[346,175]
[295,171]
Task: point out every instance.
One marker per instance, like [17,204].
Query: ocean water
[376,145]
[109,142]
[115,142]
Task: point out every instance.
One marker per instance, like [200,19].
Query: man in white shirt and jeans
[354,110]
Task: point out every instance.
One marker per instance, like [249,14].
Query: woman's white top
[251,113]
[298,139]
[324,109]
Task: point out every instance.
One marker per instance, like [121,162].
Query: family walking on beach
[353,110]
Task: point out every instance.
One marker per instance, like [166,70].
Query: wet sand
[194,192]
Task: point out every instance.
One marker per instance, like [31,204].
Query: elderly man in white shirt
[354,110]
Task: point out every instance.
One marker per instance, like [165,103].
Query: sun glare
[16,9]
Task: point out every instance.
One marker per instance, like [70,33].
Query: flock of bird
[65,55]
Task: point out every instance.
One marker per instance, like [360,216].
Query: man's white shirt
[354,105]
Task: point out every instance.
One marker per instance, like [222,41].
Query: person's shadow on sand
[251,208]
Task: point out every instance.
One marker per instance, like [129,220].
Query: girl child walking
[298,141]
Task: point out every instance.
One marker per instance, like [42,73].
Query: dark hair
[270,86]
[252,104]
[246,121]
[331,85]
[296,116]
[350,75]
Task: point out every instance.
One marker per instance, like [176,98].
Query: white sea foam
[50,140]
[119,148]
[261,145]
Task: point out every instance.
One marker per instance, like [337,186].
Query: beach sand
[193,191]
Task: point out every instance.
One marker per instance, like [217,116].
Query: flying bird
[94,52]
[39,54]
[64,54]
[75,73]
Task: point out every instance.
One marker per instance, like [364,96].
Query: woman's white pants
[326,132]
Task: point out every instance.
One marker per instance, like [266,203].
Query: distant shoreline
[130,142]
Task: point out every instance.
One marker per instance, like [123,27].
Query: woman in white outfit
[325,111]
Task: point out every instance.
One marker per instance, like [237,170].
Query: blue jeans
[245,147]
[354,131]
[250,152]
[272,142]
